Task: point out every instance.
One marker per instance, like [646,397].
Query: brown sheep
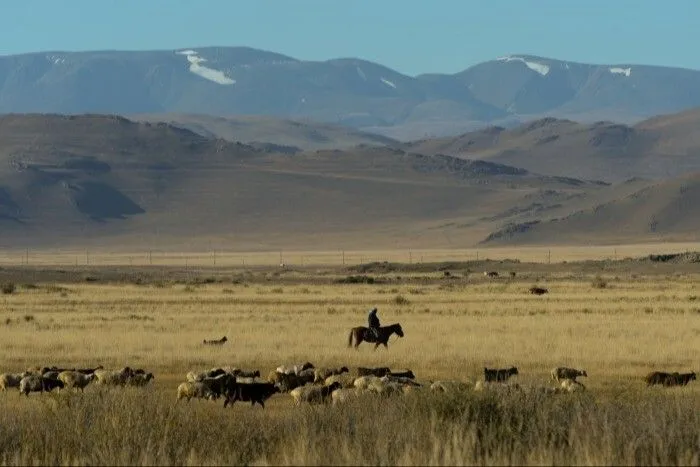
[491,274]
[679,379]
[656,377]
[499,375]
[561,373]
[538,290]
[379,372]
[141,379]
[221,341]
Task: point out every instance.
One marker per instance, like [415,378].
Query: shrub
[599,283]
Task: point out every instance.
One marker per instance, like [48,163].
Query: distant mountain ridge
[349,91]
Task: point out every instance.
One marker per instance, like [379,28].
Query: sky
[410,36]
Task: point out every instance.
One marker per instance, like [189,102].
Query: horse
[362,333]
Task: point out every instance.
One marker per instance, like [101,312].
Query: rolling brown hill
[667,210]
[658,148]
[95,180]
[263,130]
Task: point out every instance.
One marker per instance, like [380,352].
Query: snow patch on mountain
[388,83]
[621,71]
[211,74]
[534,66]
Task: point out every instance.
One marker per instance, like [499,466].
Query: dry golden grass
[327,257]
[617,328]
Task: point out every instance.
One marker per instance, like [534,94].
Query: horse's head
[398,330]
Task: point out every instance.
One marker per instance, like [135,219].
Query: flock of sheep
[305,383]
[46,379]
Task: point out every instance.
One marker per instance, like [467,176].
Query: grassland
[618,320]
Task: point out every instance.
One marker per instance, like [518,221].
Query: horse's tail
[350,338]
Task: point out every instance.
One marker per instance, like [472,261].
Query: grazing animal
[399,379]
[504,387]
[571,385]
[499,375]
[562,373]
[362,333]
[538,290]
[11,380]
[320,374]
[379,371]
[36,383]
[245,374]
[249,392]
[140,379]
[294,369]
[75,379]
[366,382]
[314,394]
[286,382]
[114,378]
[402,374]
[656,377]
[89,371]
[491,274]
[197,390]
[343,395]
[345,380]
[679,379]
[221,341]
[218,384]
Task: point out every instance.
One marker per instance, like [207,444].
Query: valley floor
[618,320]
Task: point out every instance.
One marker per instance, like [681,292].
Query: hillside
[255,130]
[79,181]
[664,146]
[350,92]
[669,211]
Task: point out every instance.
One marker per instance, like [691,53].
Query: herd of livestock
[304,382]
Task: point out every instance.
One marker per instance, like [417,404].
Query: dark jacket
[372,318]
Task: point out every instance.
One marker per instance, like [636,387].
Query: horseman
[373,322]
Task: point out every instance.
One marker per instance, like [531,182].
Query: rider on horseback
[373,323]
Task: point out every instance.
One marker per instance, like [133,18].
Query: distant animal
[491,274]
[562,373]
[379,372]
[499,375]
[36,383]
[320,374]
[538,290]
[140,379]
[75,379]
[314,394]
[362,333]
[249,392]
[512,274]
[11,380]
[191,389]
[221,341]
[656,377]
[679,379]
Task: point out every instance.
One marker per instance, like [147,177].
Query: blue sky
[410,36]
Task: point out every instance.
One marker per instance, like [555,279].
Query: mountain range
[226,81]
[108,181]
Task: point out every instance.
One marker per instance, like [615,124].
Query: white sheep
[400,380]
[345,380]
[11,380]
[114,377]
[364,382]
[194,376]
[313,394]
[343,395]
[321,374]
[74,379]
[197,390]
